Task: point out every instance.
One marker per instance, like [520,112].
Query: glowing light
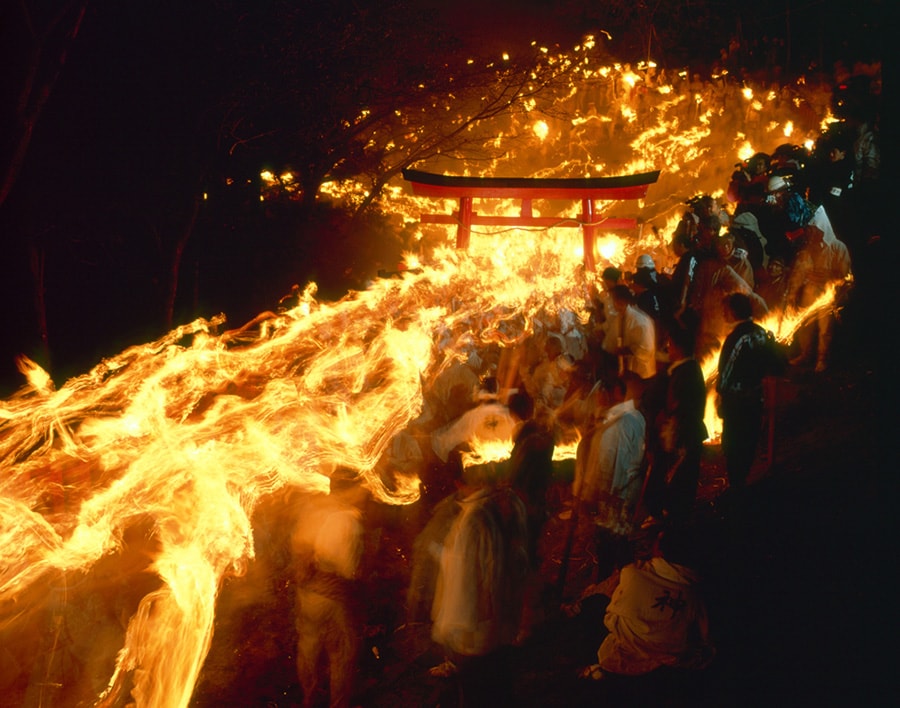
[630,78]
[788,128]
[191,431]
[746,151]
[827,121]
[566,450]
[612,249]
[482,452]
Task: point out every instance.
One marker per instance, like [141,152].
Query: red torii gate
[587,189]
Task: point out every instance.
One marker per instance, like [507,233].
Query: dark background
[131,134]
[135,129]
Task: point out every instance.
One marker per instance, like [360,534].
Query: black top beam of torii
[587,189]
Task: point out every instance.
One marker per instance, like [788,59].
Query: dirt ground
[797,585]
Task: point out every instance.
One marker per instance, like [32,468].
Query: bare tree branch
[35,91]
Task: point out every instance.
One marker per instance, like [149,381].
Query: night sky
[132,132]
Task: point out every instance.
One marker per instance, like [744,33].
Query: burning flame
[784,325]
[184,436]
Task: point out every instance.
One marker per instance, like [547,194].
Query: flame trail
[784,325]
[182,437]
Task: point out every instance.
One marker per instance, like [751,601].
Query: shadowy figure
[746,358]
[679,434]
[478,601]
[823,260]
[327,548]
[530,466]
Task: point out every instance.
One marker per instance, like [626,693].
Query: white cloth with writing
[655,618]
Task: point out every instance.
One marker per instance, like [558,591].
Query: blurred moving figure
[327,547]
[716,279]
[678,432]
[636,345]
[530,466]
[478,601]
[823,260]
[616,458]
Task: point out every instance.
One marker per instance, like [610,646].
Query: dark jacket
[745,359]
[686,404]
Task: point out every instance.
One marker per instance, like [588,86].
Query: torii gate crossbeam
[587,190]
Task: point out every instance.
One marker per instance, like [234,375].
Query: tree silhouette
[49,34]
[336,92]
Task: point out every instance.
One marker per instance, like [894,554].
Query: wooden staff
[567,549]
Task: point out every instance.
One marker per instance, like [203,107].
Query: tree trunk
[33,97]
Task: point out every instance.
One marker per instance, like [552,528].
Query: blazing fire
[182,437]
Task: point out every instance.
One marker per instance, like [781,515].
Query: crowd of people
[629,392]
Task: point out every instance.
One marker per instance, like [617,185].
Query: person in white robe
[823,261]
[636,335]
[656,616]
[327,549]
[610,479]
[479,595]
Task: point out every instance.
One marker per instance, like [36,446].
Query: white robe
[478,599]
[639,335]
[655,618]
[818,264]
[614,462]
[610,326]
